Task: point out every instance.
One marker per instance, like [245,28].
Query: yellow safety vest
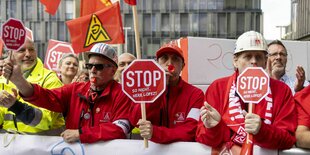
[51,123]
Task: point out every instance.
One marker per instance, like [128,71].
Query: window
[154,23]
[167,5]
[128,20]
[240,23]
[155,5]
[213,25]
[177,22]
[220,4]
[11,9]
[203,23]
[258,23]
[48,30]
[147,24]
[61,31]
[194,24]
[256,4]
[230,4]
[211,5]
[175,5]
[222,25]
[165,22]
[248,4]
[27,9]
[193,5]
[240,4]
[40,11]
[36,30]
[184,23]
[69,9]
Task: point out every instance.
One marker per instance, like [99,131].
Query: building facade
[299,29]
[159,20]
[163,20]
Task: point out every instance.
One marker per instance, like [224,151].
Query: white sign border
[268,83]
[159,94]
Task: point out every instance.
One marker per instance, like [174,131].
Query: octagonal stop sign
[143,81]
[253,84]
[55,50]
[13,34]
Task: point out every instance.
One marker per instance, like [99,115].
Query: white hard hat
[104,50]
[251,41]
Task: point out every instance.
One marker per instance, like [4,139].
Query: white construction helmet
[251,41]
[104,50]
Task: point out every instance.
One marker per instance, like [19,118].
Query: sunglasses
[97,66]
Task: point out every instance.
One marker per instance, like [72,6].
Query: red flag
[131,2]
[51,6]
[92,6]
[103,26]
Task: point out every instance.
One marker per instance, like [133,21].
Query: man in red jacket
[224,122]
[95,110]
[302,99]
[174,115]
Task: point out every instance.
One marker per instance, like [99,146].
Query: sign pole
[138,52]
[136,28]
[143,113]
[250,111]
[144,81]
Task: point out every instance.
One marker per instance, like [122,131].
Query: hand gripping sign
[252,87]
[143,82]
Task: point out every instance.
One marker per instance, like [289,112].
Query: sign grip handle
[250,111]
[143,112]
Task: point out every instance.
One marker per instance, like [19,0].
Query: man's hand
[70,136]
[209,116]
[12,71]
[252,123]
[146,129]
[301,77]
[6,99]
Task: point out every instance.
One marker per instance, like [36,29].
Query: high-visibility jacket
[43,121]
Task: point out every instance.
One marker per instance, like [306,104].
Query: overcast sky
[276,13]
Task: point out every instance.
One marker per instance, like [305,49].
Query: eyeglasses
[97,66]
[276,54]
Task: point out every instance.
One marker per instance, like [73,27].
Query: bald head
[123,61]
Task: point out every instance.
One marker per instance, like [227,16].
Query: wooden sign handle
[143,112]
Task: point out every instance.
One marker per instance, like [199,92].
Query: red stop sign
[143,81]
[253,84]
[55,50]
[13,34]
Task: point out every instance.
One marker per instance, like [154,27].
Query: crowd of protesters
[90,106]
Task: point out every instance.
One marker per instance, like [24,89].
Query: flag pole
[136,28]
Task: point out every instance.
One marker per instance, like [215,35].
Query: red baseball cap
[170,48]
